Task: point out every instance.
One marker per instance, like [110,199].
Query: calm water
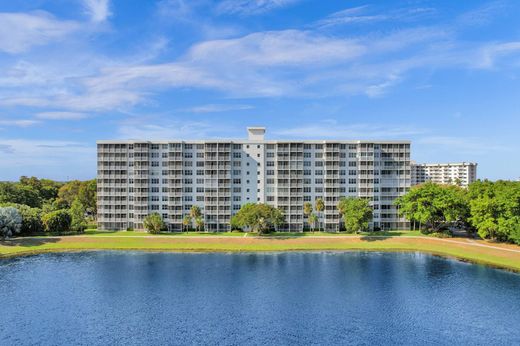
[129,298]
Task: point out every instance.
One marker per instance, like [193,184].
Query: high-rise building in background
[136,178]
[461,173]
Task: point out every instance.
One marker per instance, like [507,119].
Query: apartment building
[461,173]
[136,178]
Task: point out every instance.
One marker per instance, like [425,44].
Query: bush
[130,229]
[57,221]
[441,234]
[31,218]
[10,222]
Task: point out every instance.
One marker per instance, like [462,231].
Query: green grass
[95,232]
[236,242]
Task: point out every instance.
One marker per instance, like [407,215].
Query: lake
[137,298]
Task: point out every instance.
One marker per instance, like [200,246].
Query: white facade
[136,178]
[461,173]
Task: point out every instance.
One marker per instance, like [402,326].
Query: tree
[154,223]
[199,223]
[495,210]
[77,213]
[186,222]
[195,213]
[356,213]
[307,210]
[434,206]
[69,192]
[320,207]
[10,222]
[87,195]
[20,194]
[31,218]
[258,217]
[57,221]
[47,189]
[313,219]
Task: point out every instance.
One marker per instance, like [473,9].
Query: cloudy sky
[444,74]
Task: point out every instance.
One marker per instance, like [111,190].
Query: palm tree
[186,222]
[199,223]
[320,206]
[307,209]
[195,213]
[312,221]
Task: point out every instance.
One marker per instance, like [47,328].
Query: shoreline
[500,256]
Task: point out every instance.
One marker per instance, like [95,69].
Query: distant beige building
[460,173]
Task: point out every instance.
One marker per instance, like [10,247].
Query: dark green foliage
[78,220]
[434,206]
[31,218]
[154,223]
[57,221]
[356,213]
[491,208]
[495,209]
[87,196]
[20,194]
[34,197]
[261,218]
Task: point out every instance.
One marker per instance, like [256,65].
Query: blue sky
[444,74]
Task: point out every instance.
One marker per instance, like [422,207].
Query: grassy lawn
[500,255]
[97,233]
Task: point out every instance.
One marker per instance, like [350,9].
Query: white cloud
[362,15]
[164,129]
[483,14]
[463,145]
[251,7]
[6,148]
[98,10]
[61,115]
[332,129]
[215,108]
[19,122]
[271,48]
[49,158]
[21,31]
[296,63]
[491,53]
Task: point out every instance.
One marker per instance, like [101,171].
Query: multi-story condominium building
[136,178]
[461,173]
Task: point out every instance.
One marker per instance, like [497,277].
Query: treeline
[489,209]
[32,206]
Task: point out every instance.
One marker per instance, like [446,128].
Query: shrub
[31,218]
[10,222]
[57,221]
[130,229]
